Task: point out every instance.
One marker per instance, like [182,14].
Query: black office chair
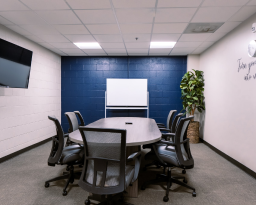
[61,155]
[174,154]
[169,120]
[105,172]
[73,125]
[80,118]
[165,135]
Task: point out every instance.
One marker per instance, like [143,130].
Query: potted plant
[192,94]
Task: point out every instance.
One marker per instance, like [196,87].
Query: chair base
[167,178]
[117,199]
[71,176]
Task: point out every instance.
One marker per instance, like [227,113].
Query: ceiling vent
[203,27]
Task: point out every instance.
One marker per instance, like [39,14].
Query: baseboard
[7,157]
[230,159]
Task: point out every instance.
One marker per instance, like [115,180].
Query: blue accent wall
[83,85]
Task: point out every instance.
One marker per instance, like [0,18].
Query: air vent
[203,27]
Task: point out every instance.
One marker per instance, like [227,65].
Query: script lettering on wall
[250,74]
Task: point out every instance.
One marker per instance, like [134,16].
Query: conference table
[139,131]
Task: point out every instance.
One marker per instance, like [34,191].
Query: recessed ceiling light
[162,44]
[88,45]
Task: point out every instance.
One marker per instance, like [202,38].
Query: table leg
[132,191]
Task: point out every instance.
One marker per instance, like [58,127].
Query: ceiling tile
[94,51]
[194,37]
[135,28]
[138,45]
[96,16]
[158,54]
[34,38]
[112,45]
[108,38]
[227,27]
[45,4]
[243,14]
[97,54]
[89,4]
[206,44]
[135,15]
[40,29]
[71,51]
[174,15]
[59,17]
[72,29]
[179,3]
[46,45]
[209,14]
[170,28]
[224,3]
[80,38]
[187,44]
[53,38]
[252,3]
[58,52]
[11,5]
[18,29]
[77,54]
[134,3]
[104,29]
[115,50]
[164,51]
[132,37]
[63,45]
[199,50]
[165,37]
[22,17]
[117,54]
[132,50]
[183,50]
[4,21]
[216,36]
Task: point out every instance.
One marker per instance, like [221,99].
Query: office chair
[80,118]
[169,120]
[61,155]
[166,136]
[73,125]
[105,172]
[175,153]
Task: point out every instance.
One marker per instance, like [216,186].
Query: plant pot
[193,132]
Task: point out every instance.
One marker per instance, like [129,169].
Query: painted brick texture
[83,84]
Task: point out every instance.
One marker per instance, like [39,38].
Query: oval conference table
[140,131]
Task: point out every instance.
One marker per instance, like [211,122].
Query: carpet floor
[216,181]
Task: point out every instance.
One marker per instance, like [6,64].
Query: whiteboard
[127,92]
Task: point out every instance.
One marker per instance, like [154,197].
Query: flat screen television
[15,65]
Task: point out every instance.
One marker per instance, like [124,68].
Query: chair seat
[71,154]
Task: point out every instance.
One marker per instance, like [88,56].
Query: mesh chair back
[57,143]
[104,167]
[80,118]
[169,119]
[175,122]
[72,120]
[182,149]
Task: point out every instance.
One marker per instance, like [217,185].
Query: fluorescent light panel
[88,45]
[162,44]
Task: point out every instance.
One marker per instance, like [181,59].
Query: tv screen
[15,65]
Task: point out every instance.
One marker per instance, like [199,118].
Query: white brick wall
[23,112]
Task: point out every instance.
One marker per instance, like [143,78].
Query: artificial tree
[192,94]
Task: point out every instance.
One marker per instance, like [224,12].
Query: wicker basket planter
[193,132]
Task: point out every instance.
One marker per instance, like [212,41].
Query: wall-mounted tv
[15,65]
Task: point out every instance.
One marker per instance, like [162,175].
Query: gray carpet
[216,180]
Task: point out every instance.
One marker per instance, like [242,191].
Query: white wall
[23,112]
[230,121]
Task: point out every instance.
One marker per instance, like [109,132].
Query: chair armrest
[184,141]
[167,143]
[161,124]
[164,130]
[66,135]
[137,158]
[166,135]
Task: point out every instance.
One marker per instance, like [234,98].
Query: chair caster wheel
[166,198]
[46,184]
[87,202]
[64,193]
[183,171]
[143,188]
[194,194]
[185,181]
